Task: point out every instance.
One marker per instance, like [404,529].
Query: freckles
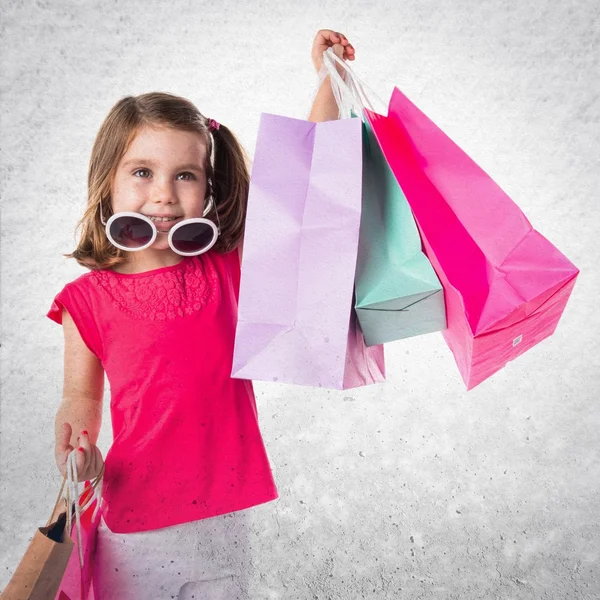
[116,189]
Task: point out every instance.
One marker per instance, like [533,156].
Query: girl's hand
[326,38]
[89,458]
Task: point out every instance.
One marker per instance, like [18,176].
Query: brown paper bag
[43,565]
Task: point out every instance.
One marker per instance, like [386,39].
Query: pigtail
[230,181]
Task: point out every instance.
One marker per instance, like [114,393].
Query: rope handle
[72,498]
[93,484]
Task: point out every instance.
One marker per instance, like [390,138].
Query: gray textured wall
[411,489]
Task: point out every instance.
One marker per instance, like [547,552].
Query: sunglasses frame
[155,232]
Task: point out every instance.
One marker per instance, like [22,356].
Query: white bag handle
[345,97]
[72,497]
[349,92]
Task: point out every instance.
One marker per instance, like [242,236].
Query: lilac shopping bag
[296,322]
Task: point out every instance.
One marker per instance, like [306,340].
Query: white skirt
[208,559]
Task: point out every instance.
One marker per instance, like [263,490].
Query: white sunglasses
[133,231]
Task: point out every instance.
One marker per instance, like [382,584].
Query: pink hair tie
[212,125]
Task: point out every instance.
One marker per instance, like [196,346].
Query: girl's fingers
[65,437]
[329,36]
[348,50]
[61,460]
[84,440]
[82,461]
[326,38]
[338,50]
[97,462]
[93,466]
[336,38]
[63,448]
[343,40]
[93,457]
[323,38]
[88,462]
[88,457]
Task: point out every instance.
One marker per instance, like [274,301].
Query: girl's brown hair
[229,175]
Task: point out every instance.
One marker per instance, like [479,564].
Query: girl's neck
[148,260]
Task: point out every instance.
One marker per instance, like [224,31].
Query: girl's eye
[190,178]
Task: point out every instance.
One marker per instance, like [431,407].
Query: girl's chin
[161,242]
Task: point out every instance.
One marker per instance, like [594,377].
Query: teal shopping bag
[398,294]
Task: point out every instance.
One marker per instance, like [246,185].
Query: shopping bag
[77,580]
[398,294]
[506,286]
[47,564]
[39,573]
[296,322]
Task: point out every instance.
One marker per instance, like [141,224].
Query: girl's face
[162,176]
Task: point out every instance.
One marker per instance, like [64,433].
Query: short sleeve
[73,299]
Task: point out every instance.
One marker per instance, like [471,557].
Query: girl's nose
[164,193]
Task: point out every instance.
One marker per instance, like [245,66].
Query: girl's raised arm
[324,106]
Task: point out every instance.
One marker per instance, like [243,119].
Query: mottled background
[413,488]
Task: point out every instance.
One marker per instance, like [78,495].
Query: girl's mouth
[163,219]
[164,224]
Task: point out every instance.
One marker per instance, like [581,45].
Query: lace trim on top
[161,294]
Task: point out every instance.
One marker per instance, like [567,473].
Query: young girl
[162,237]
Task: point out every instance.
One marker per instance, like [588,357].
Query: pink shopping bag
[505,285]
[296,322]
[77,582]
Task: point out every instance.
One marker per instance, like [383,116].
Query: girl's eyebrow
[145,161]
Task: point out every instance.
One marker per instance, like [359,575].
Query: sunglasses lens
[192,237]
[130,232]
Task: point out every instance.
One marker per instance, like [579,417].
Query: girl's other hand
[89,458]
[327,38]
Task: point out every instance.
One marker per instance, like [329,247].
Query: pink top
[186,440]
